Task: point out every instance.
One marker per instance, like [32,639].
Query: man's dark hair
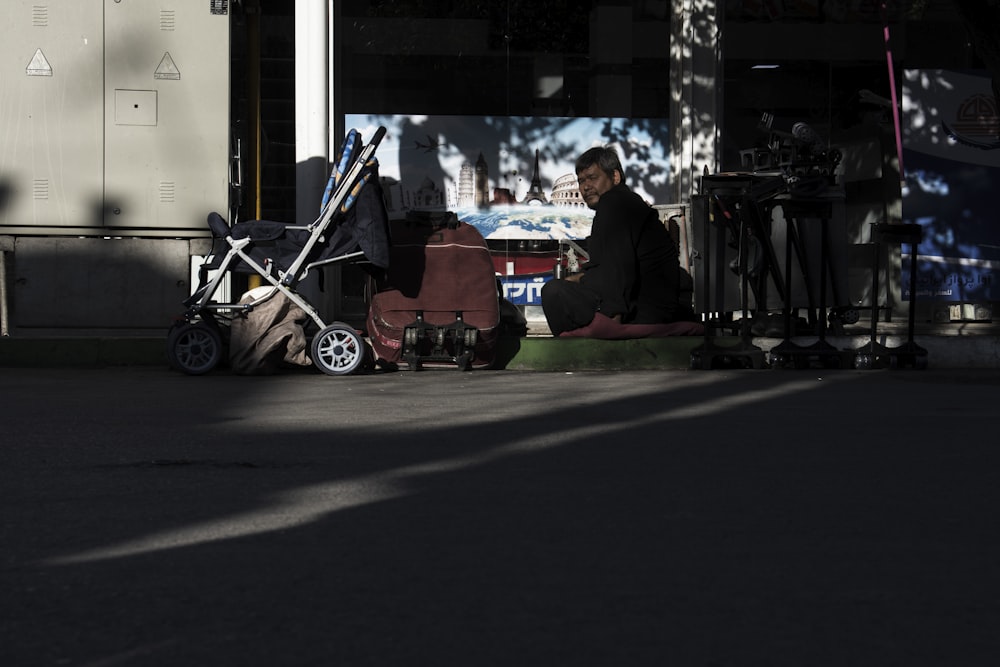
[605,157]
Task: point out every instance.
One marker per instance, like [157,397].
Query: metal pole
[333,142]
[311,115]
[253,10]
[4,324]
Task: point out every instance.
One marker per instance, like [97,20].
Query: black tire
[194,348]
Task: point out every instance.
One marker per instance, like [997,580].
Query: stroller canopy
[359,223]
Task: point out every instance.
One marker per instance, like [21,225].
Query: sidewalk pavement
[953,346]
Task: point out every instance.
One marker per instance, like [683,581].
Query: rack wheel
[846,315]
[194,348]
[338,350]
[863,362]
[464,360]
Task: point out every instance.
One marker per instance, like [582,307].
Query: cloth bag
[269,336]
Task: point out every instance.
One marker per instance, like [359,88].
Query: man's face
[593,183]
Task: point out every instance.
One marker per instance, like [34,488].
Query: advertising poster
[512,178]
[951,163]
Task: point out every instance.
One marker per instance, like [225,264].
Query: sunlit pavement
[609,518]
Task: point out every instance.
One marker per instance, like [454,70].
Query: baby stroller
[352,226]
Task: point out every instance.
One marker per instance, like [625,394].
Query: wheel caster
[194,348]
[338,350]
[412,362]
[850,316]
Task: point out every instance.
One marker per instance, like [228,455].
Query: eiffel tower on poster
[535,193]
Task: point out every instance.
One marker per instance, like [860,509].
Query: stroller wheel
[194,348]
[338,350]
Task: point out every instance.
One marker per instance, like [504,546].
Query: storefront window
[518,57]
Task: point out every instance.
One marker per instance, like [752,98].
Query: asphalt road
[500,518]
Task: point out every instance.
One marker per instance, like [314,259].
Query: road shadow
[497,518]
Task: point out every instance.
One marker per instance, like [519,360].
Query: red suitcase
[438,304]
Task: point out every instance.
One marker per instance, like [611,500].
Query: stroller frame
[195,341]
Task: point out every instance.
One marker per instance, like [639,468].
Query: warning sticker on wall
[167,69]
[39,66]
